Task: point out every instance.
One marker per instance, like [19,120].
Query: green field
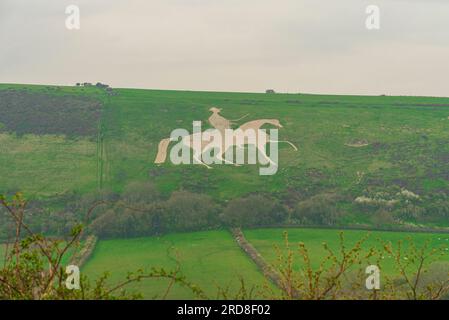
[265,240]
[208,259]
[212,259]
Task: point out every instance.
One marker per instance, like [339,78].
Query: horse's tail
[293,146]
[162,151]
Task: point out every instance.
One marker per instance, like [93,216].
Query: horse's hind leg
[220,157]
[262,152]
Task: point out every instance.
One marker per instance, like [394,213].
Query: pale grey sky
[319,46]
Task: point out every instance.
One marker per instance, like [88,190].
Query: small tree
[33,266]
[340,273]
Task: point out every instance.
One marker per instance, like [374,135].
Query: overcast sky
[319,46]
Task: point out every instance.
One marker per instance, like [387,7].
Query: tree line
[141,210]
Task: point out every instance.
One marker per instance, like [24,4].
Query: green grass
[407,139]
[45,165]
[136,120]
[265,240]
[209,259]
[402,132]
[2,254]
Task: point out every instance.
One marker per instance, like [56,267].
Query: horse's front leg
[221,156]
[198,161]
[197,158]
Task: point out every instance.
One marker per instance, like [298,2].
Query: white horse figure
[240,139]
[262,137]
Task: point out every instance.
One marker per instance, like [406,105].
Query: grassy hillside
[371,148]
[48,139]
[209,259]
[406,140]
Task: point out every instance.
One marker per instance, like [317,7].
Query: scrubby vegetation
[24,112]
[34,266]
[339,273]
[141,210]
[253,211]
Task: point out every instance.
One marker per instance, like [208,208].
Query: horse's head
[215,110]
[276,123]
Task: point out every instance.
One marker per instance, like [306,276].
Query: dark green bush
[253,211]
